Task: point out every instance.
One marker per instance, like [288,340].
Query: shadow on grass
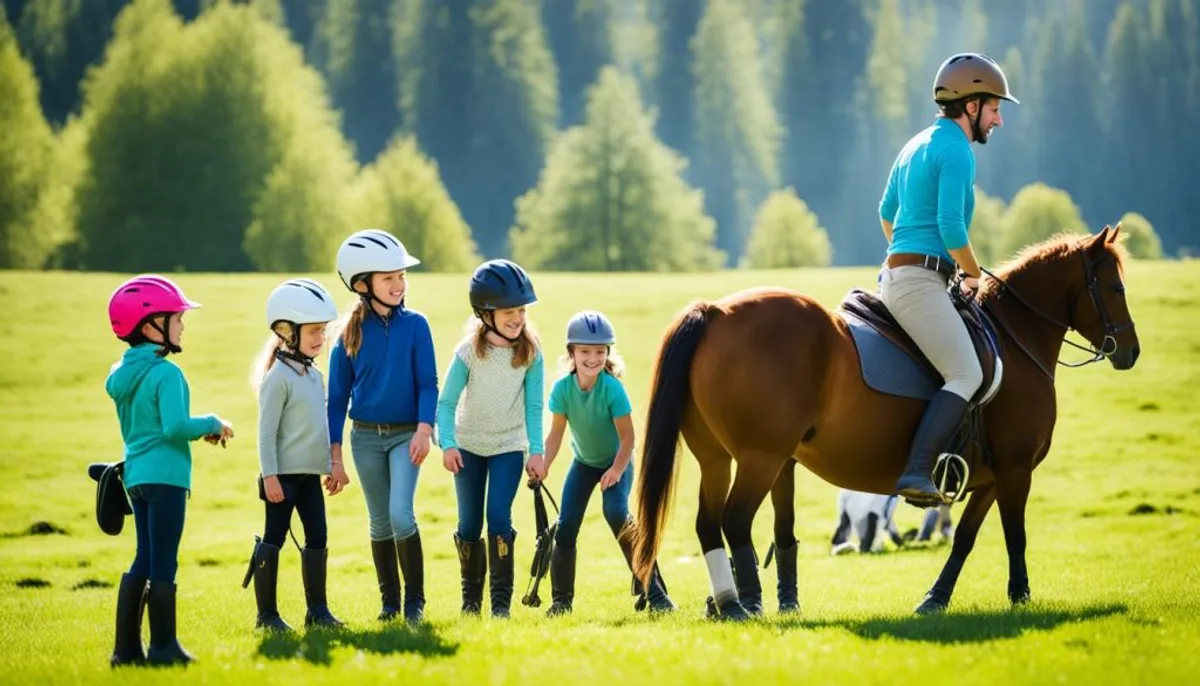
[967,626]
[316,645]
[977,626]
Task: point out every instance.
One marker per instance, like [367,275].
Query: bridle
[1092,281]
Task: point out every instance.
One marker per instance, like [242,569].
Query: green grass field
[1114,591]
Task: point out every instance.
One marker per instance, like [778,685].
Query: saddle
[871,323]
[893,364]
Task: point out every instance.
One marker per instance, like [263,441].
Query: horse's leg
[784,503]
[938,598]
[714,485]
[1012,493]
[756,475]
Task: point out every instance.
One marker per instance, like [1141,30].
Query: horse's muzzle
[1125,359]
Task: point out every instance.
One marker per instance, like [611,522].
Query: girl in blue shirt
[593,401]
[925,211]
[382,369]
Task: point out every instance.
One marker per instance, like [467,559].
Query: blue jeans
[503,473]
[389,481]
[577,491]
[158,512]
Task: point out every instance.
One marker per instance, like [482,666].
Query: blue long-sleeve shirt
[392,379]
[930,193]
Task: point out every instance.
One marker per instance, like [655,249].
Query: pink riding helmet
[141,297]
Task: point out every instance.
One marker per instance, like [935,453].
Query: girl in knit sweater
[489,415]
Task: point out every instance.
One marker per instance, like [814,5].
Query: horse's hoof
[1018,598]
[733,611]
[931,605]
[710,608]
[790,607]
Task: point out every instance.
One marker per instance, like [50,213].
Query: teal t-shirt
[590,415]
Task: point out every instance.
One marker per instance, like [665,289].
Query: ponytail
[349,328]
[264,361]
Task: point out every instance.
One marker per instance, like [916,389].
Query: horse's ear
[1100,240]
[1116,231]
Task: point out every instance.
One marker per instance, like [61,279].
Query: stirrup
[946,463]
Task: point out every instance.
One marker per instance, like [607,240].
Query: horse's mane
[1052,250]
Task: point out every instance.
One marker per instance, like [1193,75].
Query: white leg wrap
[721,574]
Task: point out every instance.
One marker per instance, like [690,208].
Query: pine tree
[737,133]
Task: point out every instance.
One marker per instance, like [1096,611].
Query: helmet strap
[980,138]
[488,317]
[370,297]
[291,349]
[164,330]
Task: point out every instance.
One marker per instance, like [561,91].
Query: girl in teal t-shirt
[592,399]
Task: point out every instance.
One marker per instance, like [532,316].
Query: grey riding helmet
[590,327]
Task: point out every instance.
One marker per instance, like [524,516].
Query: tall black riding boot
[412,565]
[942,419]
[657,598]
[562,580]
[266,580]
[500,558]
[386,573]
[473,564]
[314,567]
[745,564]
[785,572]
[131,602]
[164,643]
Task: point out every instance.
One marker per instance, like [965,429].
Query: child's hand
[337,481]
[536,467]
[452,460]
[418,448]
[225,435]
[273,489]
[610,477]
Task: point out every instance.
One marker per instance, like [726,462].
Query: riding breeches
[917,299]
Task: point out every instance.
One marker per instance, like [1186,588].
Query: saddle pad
[886,368]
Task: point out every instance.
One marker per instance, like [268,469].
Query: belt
[385,428]
[930,262]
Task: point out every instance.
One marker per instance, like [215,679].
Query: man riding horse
[925,211]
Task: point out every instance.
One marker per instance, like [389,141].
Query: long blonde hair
[614,364]
[264,361]
[524,350]
[349,328]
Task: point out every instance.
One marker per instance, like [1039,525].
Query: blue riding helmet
[500,285]
[590,327]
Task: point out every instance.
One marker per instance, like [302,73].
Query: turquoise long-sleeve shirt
[153,406]
[930,193]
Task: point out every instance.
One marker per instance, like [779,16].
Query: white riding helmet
[369,251]
[300,301]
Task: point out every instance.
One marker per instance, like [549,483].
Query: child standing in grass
[497,373]
[153,405]
[592,400]
[382,370]
[293,447]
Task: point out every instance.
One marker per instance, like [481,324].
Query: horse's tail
[668,397]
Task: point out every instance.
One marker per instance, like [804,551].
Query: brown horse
[765,377]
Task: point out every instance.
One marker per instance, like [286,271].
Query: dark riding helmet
[500,285]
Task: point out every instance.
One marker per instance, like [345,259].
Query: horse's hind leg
[784,503]
[756,475]
[715,464]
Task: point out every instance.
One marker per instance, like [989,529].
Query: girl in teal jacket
[153,406]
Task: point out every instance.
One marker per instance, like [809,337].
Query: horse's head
[1098,310]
